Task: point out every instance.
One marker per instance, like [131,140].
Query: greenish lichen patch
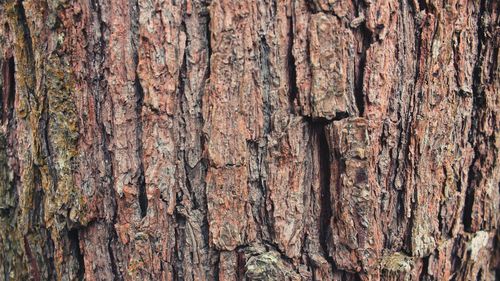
[62,129]
[397,262]
[7,196]
[266,266]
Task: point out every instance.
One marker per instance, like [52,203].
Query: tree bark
[249,140]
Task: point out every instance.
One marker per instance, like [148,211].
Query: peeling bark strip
[249,140]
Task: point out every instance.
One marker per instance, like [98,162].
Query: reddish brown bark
[249,140]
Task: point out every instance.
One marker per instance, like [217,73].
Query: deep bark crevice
[112,259]
[208,36]
[424,274]
[422,4]
[141,181]
[240,264]
[419,22]
[26,31]
[8,89]
[326,211]
[292,72]
[181,93]
[216,271]
[366,40]
[180,240]
[180,209]
[139,93]
[74,239]
[205,226]
[266,80]
[468,205]
[46,157]
[49,250]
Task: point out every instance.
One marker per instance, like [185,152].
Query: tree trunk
[249,140]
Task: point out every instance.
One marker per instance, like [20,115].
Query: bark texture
[249,140]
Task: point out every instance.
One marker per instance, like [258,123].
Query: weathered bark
[249,140]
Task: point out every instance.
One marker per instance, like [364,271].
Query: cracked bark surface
[249,140]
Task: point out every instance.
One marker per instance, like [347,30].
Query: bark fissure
[180,237]
[240,265]
[113,237]
[141,181]
[419,23]
[208,36]
[27,46]
[425,269]
[139,94]
[325,197]
[75,247]
[366,38]
[265,76]
[292,72]
[8,89]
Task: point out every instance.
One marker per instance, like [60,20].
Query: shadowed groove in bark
[180,238]
[266,80]
[216,264]
[366,37]
[205,225]
[209,40]
[424,274]
[141,196]
[181,211]
[318,129]
[26,36]
[75,247]
[240,264]
[46,148]
[139,92]
[8,89]
[113,237]
[422,5]
[292,72]
[469,203]
[213,255]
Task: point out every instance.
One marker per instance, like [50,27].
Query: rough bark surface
[249,140]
